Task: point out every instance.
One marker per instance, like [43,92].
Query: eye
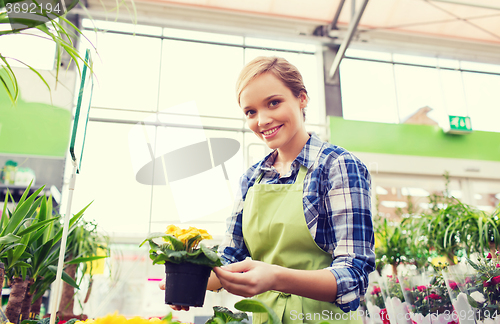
[274,103]
[249,112]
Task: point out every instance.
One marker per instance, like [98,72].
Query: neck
[288,153]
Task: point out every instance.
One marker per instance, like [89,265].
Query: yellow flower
[184,235]
[204,235]
[172,229]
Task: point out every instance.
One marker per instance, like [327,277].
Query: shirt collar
[306,157]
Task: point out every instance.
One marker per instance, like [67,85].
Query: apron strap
[300,176]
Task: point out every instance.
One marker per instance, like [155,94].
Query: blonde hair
[279,67]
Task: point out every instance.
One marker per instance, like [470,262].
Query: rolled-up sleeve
[348,207]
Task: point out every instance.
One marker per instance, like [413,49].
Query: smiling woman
[300,237]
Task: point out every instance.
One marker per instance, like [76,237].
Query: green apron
[275,232]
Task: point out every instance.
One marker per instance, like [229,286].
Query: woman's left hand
[247,278]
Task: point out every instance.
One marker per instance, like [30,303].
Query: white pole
[62,250]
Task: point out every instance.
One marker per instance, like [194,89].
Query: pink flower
[498,265]
[407,289]
[489,256]
[421,288]
[376,290]
[468,280]
[492,282]
[384,317]
[453,285]
[433,296]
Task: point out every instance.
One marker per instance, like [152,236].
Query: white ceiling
[453,28]
[477,20]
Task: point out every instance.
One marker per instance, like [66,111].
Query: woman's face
[273,113]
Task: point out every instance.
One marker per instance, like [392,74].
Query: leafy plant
[483,287]
[60,31]
[181,245]
[224,315]
[257,306]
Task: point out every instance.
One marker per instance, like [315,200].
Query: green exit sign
[459,125]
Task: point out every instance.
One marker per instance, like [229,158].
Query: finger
[179,307]
[242,266]
[242,290]
[242,278]
[162,284]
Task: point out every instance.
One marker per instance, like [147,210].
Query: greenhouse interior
[97,103]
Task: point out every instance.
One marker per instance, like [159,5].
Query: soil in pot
[186,283]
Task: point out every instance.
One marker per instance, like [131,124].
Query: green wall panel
[417,140]
[33,128]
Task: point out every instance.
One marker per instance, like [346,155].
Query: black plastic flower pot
[186,283]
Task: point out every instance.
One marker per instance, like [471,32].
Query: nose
[264,119]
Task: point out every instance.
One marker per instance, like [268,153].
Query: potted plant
[482,286]
[187,263]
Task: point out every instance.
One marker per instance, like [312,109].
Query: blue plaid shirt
[337,211]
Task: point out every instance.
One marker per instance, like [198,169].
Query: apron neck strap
[300,176]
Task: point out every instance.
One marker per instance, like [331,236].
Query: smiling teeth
[269,132]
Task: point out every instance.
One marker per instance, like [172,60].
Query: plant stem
[16,299]
[26,307]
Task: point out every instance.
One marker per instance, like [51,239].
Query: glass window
[203,73]
[202,199]
[414,59]
[483,100]
[280,45]
[121,27]
[453,92]
[202,36]
[419,88]
[126,69]
[368,91]
[120,204]
[372,55]
[20,47]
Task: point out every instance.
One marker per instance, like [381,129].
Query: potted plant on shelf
[187,263]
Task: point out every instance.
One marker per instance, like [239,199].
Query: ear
[303,99]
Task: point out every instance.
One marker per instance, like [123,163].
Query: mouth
[271,132]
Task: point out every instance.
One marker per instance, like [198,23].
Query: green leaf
[9,238]
[35,226]
[227,315]
[472,301]
[191,241]
[215,320]
[257,306]
[21,211]
[211,255]
[152,236]
[72,222]
[176,243]
[86,259]
[29,322]
[72,321]
[65,277]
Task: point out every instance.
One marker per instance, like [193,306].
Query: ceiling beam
[353,25]
[470,4]
[333,25]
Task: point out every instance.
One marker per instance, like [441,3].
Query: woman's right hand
[174,307]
